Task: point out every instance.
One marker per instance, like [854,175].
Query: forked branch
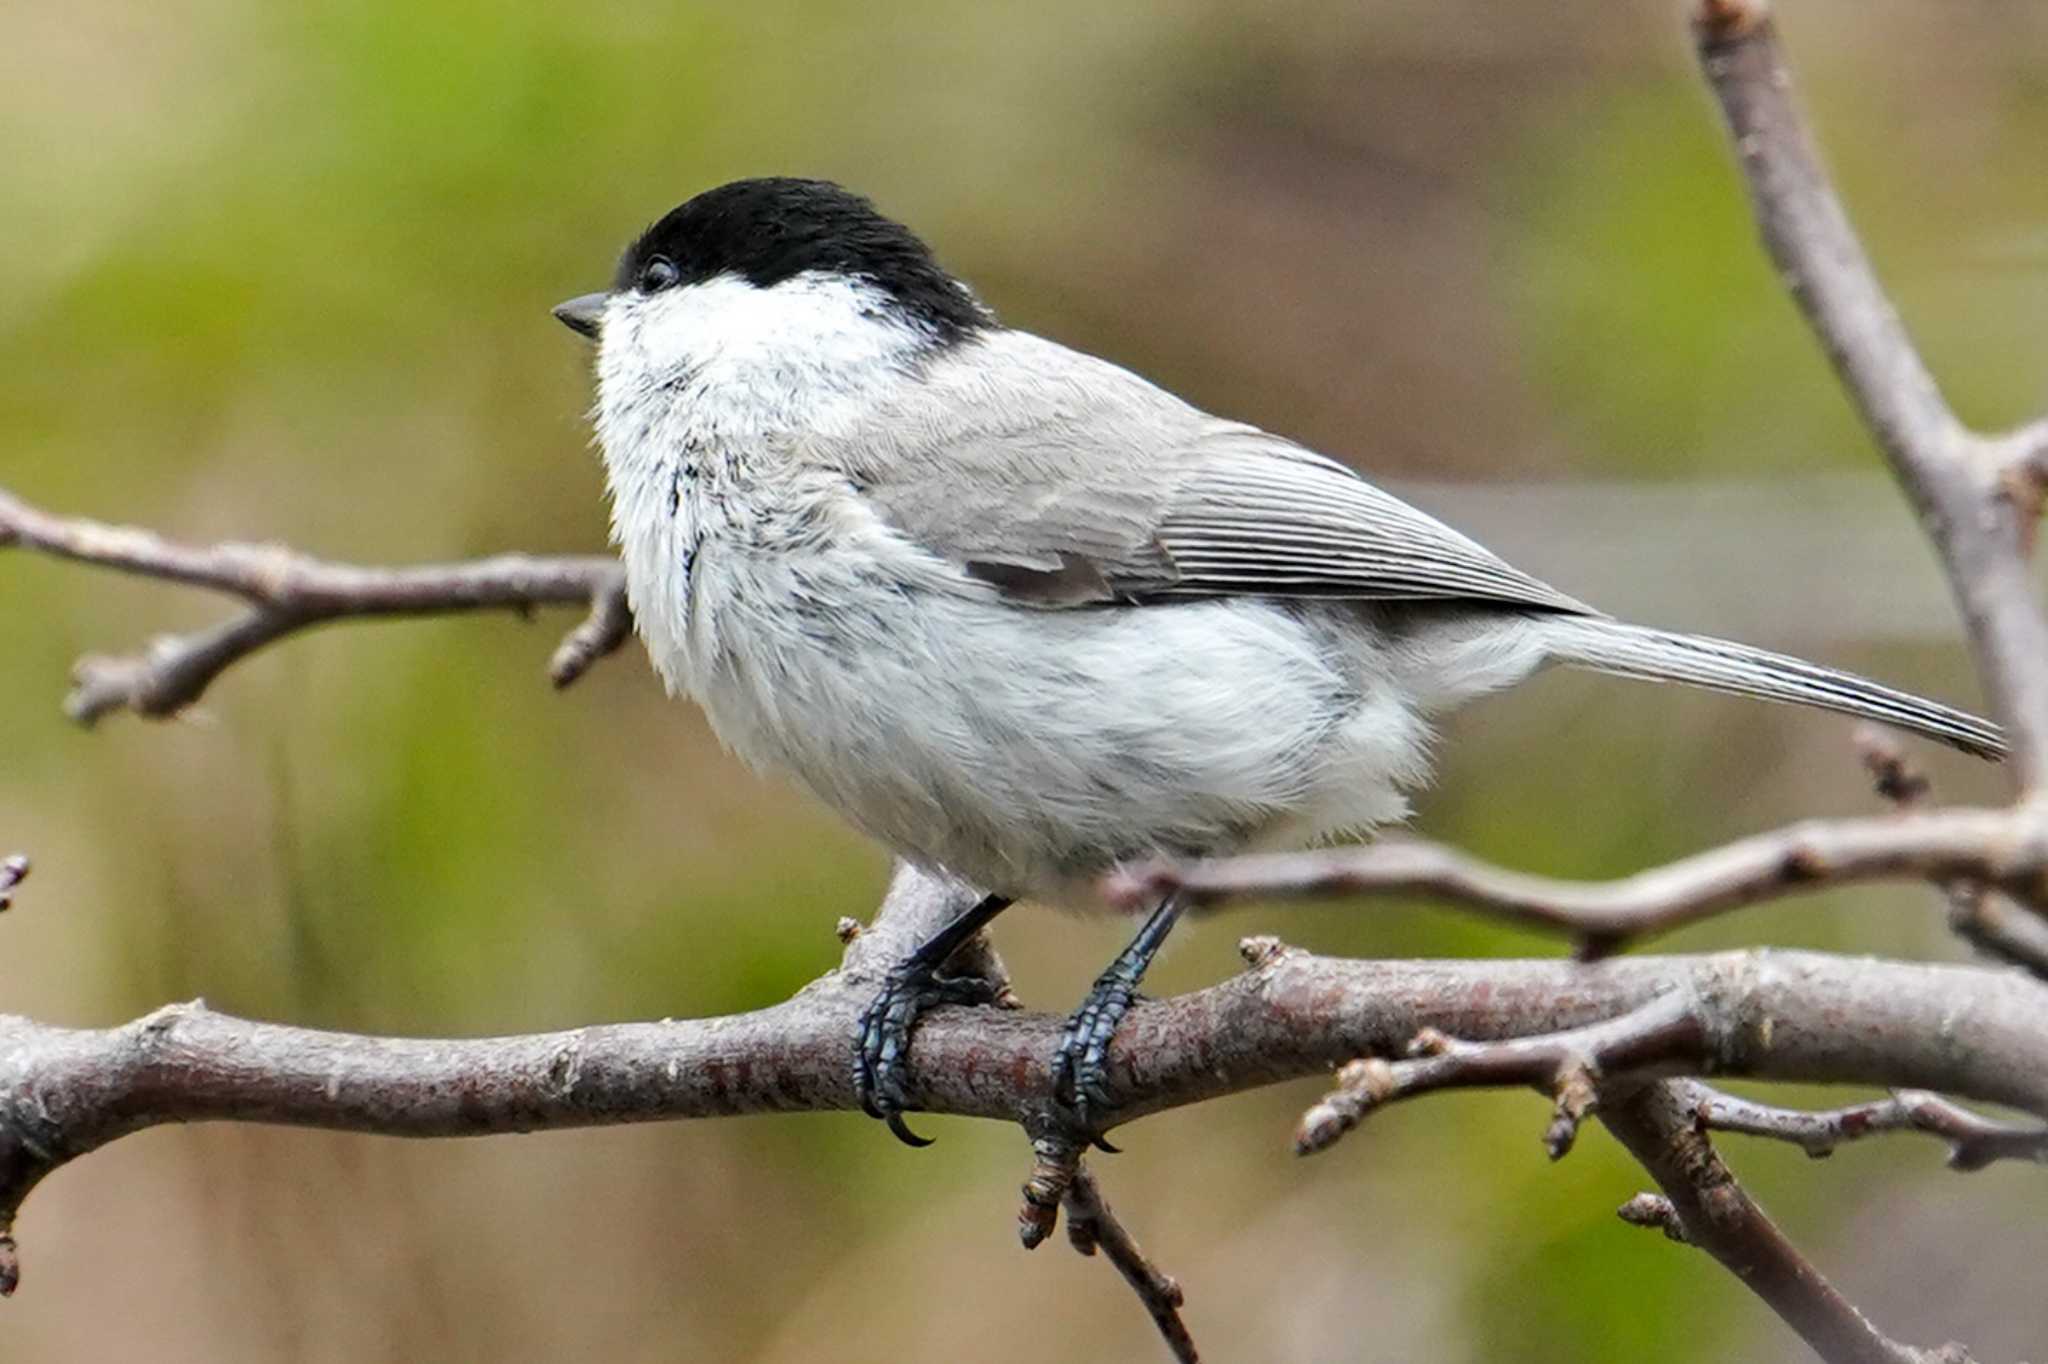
[1958,480]
[285,592]
[1704,1206]
[1664,1035]
[1609,1068]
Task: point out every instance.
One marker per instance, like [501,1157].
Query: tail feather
[1720,665]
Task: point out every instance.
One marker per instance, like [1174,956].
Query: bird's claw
[883,1044]
[1080,1068]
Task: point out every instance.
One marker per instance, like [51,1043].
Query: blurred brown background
[282,270]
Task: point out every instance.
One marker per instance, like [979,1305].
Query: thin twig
[608,626]
[2008,848]
[2000,929]
[1058,1178]
[288,592]
[1092,1226]
[1665,1034]
[1712,1211]
[1974,1141]
[1978,914]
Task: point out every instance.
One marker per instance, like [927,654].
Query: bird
[1022,616]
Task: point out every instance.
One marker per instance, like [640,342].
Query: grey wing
[1262,516]
[1064,481]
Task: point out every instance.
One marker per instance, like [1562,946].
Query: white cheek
[668,333]
[822,320]
[755,360]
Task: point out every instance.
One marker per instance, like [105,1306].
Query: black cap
[768,230]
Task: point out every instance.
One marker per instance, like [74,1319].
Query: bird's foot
[882,1047]
[1080,1068]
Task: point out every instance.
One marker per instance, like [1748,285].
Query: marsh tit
[1020,615]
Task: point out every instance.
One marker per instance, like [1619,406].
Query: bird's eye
[658,274]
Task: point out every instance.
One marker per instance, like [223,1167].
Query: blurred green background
[282,270]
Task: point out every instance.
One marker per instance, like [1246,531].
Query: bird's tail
[1608,646]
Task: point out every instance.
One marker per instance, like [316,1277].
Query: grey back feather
[1064,480]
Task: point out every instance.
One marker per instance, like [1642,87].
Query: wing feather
[1065,481]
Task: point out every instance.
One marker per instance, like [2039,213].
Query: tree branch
[1706,1207]
[1974,1141]
[287,592]
[1601,1068]
[1968,1031]
[1606,1068]
[1663,1035]
[1092,1226]
[1956,479]
[1978,914]
[1059,1179]
[2004,848]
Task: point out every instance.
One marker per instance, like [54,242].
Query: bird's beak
[584,315]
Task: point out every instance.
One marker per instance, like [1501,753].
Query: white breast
[705,395]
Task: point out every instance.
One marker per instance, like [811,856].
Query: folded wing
[1066,481]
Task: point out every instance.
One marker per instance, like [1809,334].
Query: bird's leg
[912,986]
[1080,1073]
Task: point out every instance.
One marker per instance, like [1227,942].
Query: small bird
[1020,615]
